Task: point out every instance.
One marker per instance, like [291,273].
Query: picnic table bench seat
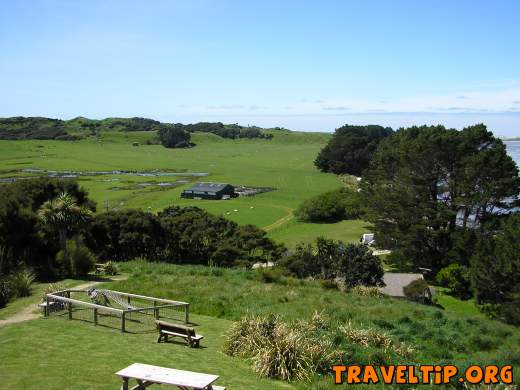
[167,329]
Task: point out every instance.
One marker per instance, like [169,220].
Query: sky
[303,65]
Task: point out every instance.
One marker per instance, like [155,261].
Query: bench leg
[124,386]
[160,337]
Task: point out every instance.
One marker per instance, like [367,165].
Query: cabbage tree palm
[64,216]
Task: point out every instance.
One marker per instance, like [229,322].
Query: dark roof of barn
[209,187]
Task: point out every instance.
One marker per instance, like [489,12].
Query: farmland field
[284,163]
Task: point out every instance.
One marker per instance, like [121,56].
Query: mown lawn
[37,289]
[60,354]
[57,353]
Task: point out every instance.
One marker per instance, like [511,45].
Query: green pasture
[284,163]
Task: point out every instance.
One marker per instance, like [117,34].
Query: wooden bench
[167,329]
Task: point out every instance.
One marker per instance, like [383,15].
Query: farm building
[209,191]
[396,282]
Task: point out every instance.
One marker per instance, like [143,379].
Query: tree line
[440,199]
[169,134]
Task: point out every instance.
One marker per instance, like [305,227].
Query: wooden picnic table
[146,375]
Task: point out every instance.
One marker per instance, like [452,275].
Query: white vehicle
[368,239]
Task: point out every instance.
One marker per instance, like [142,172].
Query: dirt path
[31,312]
[281,221]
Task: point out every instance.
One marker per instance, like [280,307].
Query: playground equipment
[115,309]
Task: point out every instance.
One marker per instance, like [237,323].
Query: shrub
[21,282]
[77,260]
[366,337]
[51,288]
[367,291]
[278,349]
[369,337]
[292,355]
[245,336]
[6,292]
[173,135]
[328,259]
[111,268]
[329,284]
[331,206]
[457,278]
[358,266]
[415,291]
[270,275]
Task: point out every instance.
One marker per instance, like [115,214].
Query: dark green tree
[350,149]
[174,136]
[495,271]
[427,183]
[329,259]
[358,266]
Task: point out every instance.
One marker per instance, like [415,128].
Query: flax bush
[21,282]
[279,349]
[247,336]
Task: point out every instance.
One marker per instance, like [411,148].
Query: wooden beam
[149,298]
[85,304]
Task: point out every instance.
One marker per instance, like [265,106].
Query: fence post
[95,316]
[155,311]
[123,322]
[187,313]
[69,305]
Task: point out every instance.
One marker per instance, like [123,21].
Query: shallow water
[513,149]
[70,174]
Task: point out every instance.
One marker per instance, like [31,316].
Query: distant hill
[19,128]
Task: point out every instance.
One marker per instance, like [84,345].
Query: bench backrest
[163,325]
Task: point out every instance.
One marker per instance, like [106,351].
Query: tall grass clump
[281,350]
[52,288]
[111,268]
[21,282]
[367,291]
[369,337]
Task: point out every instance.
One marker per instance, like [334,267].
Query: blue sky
[305,65]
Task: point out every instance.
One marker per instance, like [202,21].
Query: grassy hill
[284,163]
[56,353]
